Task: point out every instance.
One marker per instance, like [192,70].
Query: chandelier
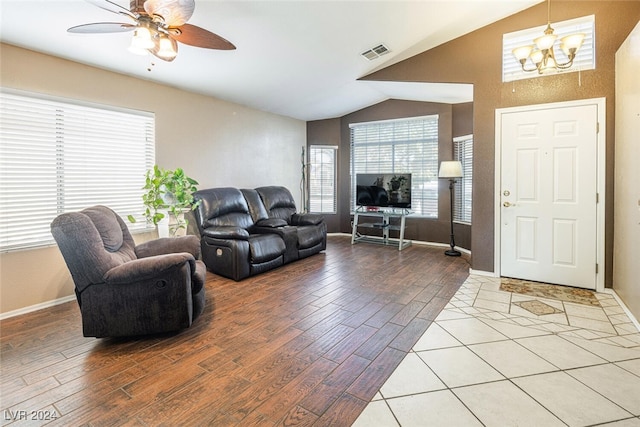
[542,54]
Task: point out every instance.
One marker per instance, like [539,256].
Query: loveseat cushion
[254,202]
[278,201]
[265,247]
[309,236]
[222,207]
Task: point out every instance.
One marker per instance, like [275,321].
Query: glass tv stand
[387,222]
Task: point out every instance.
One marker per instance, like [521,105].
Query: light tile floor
[487,361]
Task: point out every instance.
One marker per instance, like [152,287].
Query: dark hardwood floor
[307,344]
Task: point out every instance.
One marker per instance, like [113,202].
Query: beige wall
[217,143]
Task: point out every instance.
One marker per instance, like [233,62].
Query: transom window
[59,156]
[400,146]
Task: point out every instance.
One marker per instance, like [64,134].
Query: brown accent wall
[462,119]
[336,132]
[476,58]
[327,132]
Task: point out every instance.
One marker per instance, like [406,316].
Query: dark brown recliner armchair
[124,289]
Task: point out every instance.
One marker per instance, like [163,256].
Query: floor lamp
[451,170]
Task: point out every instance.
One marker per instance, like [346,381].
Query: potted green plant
[168,192]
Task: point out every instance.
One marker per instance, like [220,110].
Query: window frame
[585,58]
[424,181]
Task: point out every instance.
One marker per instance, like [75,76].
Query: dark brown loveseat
[249,231]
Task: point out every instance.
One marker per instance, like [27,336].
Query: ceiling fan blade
[199,37]
[102,27]
[112,7]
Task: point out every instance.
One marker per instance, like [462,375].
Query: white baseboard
[482,273]
[417,242]
[36,307]
[624,307]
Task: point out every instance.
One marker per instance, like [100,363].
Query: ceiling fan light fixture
[158,27]
[137,51]
[167,48]
[142,39]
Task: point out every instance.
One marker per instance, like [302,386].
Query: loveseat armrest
[147,268]
[271,223]
[306,219]
[226,232]
[168,245]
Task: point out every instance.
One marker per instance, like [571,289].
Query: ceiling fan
[157,25]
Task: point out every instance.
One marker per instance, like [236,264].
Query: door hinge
[597,268]
[597,198]
[597,127]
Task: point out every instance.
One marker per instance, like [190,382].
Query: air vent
[376,52]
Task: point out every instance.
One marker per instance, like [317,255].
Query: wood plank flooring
[306,344]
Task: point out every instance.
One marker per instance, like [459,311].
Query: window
[57,156]
[463,152]
[400,146]
[584,60]
[322,178]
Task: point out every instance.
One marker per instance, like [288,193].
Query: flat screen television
[383,190]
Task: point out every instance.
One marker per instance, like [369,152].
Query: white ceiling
[298,58]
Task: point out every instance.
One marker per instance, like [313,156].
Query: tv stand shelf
[385,225]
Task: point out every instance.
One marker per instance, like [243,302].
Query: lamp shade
[450,169]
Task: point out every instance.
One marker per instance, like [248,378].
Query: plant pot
[172,226]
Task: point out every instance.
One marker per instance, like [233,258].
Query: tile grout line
[460,300]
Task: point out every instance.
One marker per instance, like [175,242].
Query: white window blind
[400,146]
[322,179]
[463,152]
[584,60]
[57,156]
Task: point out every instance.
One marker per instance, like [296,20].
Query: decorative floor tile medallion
[537,307]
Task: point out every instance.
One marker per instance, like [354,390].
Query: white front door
[548,195]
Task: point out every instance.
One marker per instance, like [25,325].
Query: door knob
[507,204]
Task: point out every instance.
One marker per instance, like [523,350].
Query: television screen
[383,190]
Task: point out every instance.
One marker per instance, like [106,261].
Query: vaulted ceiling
[298,58]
